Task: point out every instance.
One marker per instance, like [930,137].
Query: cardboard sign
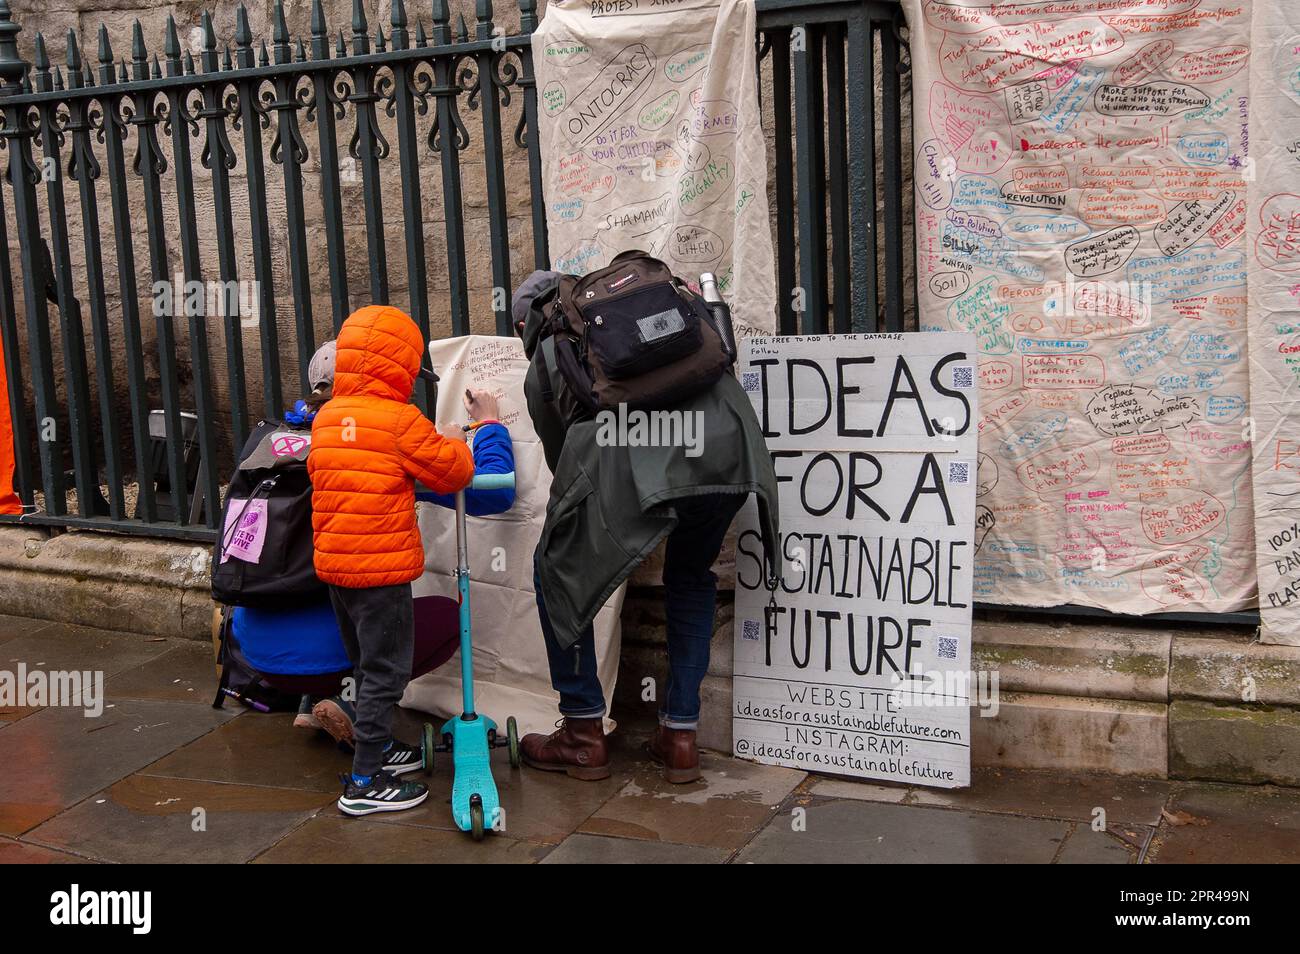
[858,663]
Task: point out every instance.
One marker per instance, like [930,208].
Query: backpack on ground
[240,680]
[263,554]
[633,333]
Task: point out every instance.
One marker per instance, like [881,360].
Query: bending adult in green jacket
[611,505]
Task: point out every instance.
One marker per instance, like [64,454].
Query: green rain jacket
[610,506]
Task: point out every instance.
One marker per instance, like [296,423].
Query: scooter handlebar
[493,481]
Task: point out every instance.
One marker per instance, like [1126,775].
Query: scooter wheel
[512,739]
[476,821]
[427,749]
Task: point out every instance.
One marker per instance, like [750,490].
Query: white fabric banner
[1274,257]
[1081,208]
[651,139]
[511,677]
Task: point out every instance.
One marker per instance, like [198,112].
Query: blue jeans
[690,597]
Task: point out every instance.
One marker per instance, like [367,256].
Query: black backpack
[269,482]
[633,333]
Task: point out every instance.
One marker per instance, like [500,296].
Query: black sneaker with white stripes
[402,758]
[383,794]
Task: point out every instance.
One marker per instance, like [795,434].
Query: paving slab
[602,850]
[542,807]
[330,838]
[20,853]
[185,673]
[1088,847]
[258,748]
[12,627]
[1230,824]
[1126,800]
[62,646]
[56,757]
[150,820]
[733,800]
[843,831]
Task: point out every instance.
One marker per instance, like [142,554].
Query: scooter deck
[472,767]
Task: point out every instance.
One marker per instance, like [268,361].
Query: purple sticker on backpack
[245,530]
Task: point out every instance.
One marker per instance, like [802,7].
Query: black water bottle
[721,313]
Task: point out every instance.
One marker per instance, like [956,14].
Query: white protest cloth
[1274,259]
[1081,209]
[651,139]
[858,664]
[511,676]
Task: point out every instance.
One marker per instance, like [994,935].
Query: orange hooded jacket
[368,447]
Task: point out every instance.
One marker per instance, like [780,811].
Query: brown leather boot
[675,750]
[576,748]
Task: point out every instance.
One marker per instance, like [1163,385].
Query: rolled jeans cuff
[669,722]
[595,712]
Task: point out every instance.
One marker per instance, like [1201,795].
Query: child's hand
[453,432]
[481,405]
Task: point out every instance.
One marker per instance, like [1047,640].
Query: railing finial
[401,36]
[243,39]
[139,55]
[74,52]
[209,54]
[360,37]
[320,39]
[243,35]
[209,34]
[483,12]
[12,66]
[280,33]
[527,16]
[172,47]
[441,17]
[41,65]
[41,60]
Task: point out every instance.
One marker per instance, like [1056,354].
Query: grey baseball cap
[321,368]
[533,285]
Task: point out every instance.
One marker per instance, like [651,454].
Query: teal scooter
[471,736]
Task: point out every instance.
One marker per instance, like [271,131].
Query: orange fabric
[9,502]
[368,447]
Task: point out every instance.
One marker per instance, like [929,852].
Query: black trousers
[378,629]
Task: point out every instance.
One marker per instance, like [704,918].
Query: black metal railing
[179,147]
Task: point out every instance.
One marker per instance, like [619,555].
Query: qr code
[963,377]
[947,647]
[958,472]
[749,380]
[749,629]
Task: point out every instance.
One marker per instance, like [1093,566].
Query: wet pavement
[160,776]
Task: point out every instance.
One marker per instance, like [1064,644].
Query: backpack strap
[223,657]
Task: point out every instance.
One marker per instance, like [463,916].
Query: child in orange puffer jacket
[369,447]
